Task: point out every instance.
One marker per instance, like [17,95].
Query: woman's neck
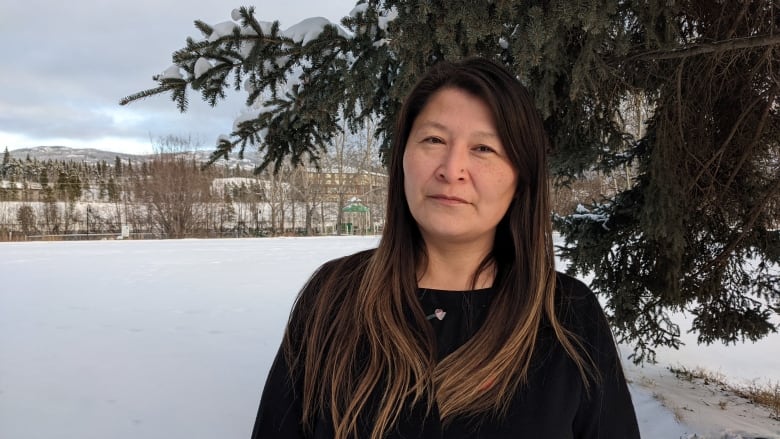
[453,269]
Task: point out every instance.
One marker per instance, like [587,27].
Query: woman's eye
[432,140]
[484,148]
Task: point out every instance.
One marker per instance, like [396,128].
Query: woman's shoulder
[323,294]
[344,265]
[569,289]
[359,257]
[577,305]
[336,272]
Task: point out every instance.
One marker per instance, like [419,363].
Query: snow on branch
[310,29]
[583,213]
[297,80]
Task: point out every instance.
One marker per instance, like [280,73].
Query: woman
[457,325]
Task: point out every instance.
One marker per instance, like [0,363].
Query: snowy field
[173,339]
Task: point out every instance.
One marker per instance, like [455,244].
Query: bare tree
[306,188]
[175,188]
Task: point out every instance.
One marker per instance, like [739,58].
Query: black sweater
[553,404]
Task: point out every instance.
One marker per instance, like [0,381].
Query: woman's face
[458,179]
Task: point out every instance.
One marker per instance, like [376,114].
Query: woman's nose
[454,164]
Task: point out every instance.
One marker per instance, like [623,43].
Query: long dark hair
[362,338]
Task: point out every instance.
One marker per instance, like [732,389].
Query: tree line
[171,194]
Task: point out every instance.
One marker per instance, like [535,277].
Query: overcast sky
[65,65]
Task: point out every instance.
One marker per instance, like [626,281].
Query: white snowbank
[173,339]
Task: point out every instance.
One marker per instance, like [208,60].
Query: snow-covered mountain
[64,153]
[92,155]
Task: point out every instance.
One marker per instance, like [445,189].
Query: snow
[245,49]
[202,65]
[582,212]
[252,114]
[259,108]
[705,408]
[173,339]
[743,363]
[282,60]
[249,86]
[222,29]
[385,16]
[292,80]
[309,29]
[172,72]
[649,411]
[384,21]
[358,9]
[245,116]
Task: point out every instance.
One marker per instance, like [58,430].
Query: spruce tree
[696,229]
[4,168]
[112,190]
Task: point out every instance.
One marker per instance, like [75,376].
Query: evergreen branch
[716,47]
[223,149]
[748,149]
[248,18]
[168,85]
[192,49]
[752,216]
[204,28]
[722,149]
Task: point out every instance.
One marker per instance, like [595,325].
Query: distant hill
[92,155]
[64,153]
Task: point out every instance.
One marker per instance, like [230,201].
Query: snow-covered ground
[173,339]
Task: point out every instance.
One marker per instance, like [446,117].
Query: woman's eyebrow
[440,126]
[432,124]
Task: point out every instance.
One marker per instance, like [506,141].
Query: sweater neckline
[450,299]
[487,290]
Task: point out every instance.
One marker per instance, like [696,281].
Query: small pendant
[438,313]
